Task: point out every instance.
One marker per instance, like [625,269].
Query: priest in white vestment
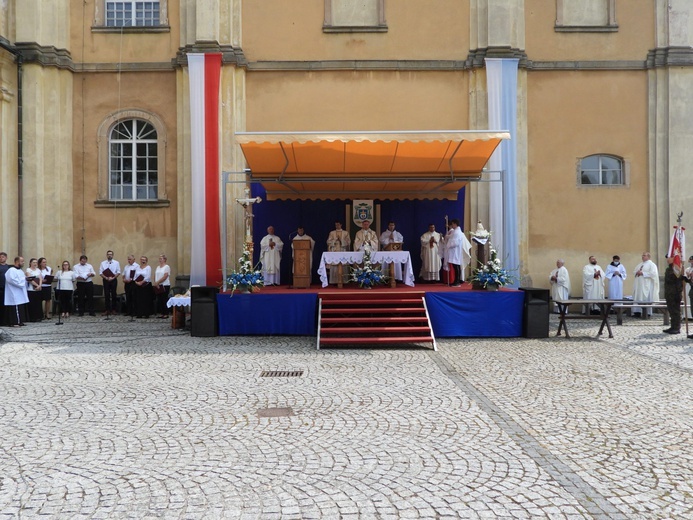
[592,284]
[646,284]
[302,236]
[16,296]
[560,283]
[616,273]
[430,255]
[364,236]
[457,252]
[338,240]
[387,237]
[271,256]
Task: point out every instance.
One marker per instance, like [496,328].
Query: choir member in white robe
[430,255]
[616,273]
[387,237]
[365,236]
[338,240]
[271,256]
[592,284]
[302,236]
[560,283]
[688,277]
[457,252]
[646,284]
[16,296]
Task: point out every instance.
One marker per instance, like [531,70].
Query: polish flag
[204,71]
[677,249]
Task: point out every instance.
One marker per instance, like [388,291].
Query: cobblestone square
[113,419]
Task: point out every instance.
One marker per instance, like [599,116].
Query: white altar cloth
[356,257]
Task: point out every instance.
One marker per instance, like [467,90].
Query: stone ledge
[45,55]
[162,203]
[229,53]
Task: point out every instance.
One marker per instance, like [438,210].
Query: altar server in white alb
[560,282]
[387,237]
[365,237]
[430,255]
[646,284]
[338,240]
[457,252]
[301,235]
[16,296]
[271,256]
[592,284]
[616,273]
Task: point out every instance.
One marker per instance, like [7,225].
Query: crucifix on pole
[247,204]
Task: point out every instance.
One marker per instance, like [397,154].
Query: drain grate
[281,373]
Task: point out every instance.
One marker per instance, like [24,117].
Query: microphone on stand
[294,233]
[57,288]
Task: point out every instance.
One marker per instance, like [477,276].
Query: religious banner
[363,210]
[677,248]
[204,72]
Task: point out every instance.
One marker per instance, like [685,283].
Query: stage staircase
[373,317]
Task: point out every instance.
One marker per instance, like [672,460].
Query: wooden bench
[620,307]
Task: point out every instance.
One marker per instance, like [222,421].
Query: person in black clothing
[673,290]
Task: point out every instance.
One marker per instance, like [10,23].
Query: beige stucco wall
[417,30]
[634,38]
[139,230]
[351,100]
[569,221]
[96,47]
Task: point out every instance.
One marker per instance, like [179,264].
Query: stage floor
[454,311]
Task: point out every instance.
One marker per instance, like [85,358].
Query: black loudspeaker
[203,311]
[535,315]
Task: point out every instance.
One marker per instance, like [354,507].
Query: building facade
[94,107]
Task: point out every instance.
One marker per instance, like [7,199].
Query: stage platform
[454,311]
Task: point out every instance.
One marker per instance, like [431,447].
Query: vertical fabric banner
[501,78]
[204,71]
[677,249]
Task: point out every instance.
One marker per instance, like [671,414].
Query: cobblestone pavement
[111,419]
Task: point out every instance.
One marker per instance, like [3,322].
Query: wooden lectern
[393,246]
[302,256]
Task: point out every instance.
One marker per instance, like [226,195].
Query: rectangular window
[585,15]
[354,16]
[132,13]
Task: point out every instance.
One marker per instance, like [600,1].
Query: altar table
[377,257]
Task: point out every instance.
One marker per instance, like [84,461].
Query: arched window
[602,170]
[133,161]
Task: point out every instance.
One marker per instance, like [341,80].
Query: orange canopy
[358,165]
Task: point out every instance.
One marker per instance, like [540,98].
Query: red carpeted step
[376,319]
[379,301]
[346,341]
[371,310]
[371,330]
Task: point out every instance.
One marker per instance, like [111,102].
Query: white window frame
[625,171]
[330,25]
[104,150]
[100,17]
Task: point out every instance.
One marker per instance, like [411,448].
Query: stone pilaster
[670,114]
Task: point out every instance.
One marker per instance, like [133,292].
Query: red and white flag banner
[204,71]
[677,249]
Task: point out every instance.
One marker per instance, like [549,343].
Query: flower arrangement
[492,272]
[247,277]
[367,276]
